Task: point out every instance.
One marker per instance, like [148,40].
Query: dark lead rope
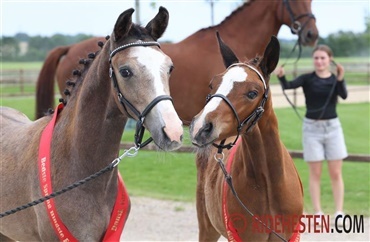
[110,167]
[295,28]
[229,181]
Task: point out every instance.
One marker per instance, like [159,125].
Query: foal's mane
[78,75]
[236,11]
[136,32]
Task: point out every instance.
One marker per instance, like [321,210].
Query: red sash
[232,233]
[120,209]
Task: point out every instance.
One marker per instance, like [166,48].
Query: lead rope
[219,157]
[296,28]
[132,152]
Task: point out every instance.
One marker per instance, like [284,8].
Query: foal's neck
[95,123]
[262,148]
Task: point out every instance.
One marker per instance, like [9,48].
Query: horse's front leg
[206,230]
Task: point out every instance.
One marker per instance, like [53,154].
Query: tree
[9,48]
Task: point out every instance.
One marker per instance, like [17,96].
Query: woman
[323,137]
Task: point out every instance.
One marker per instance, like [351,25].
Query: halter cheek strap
[296,26]
[252,119]
[139,133]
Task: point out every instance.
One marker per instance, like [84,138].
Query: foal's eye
[171,69]
[252,94]
[125,72]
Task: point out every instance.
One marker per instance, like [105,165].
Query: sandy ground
[160,220]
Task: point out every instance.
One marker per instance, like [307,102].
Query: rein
[296,28]
[140,129]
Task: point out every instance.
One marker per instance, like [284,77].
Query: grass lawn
[36,65]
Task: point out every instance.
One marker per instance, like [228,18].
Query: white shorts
[323,140]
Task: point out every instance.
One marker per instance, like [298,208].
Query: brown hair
[323,48]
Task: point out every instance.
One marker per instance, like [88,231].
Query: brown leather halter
[252,119]
[139,132]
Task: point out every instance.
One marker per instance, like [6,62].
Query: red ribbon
[120,210]
[119,214]
[232,233]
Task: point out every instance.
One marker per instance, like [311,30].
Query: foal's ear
[270,57]
[123,24]
[158,24]
[227,54]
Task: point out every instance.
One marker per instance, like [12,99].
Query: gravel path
[162,220]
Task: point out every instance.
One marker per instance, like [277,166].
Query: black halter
[139,132]
[296,27]
[251,119]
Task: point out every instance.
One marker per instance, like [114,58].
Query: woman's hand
[280,72]
[340,71]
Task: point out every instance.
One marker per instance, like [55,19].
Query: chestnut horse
[247,30]
[87,135]
[239,110]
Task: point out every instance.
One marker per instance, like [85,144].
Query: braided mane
[79,74]
[136,33]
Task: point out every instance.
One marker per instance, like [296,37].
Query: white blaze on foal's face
[157,66]
[233,75]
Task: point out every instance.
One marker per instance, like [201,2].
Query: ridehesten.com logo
[300,223]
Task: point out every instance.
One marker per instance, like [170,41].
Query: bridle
[251,119]
[296,27]
[139,132]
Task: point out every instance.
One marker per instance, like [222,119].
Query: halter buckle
[219,156]
[110,72]
[295,27]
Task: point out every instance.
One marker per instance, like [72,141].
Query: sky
[70,17]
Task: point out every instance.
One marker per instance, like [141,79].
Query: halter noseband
[139,132]
[251,119]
